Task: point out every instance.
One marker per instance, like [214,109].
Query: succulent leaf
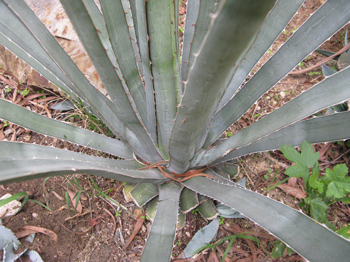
[201,238]
[188,200]
[275,22]
[163,58]
[44,125]
[152,208]
[315,130]
[330,91]
[302,233]
[164,224]
[328,19]
[207,209]
[143,193]
[206,79]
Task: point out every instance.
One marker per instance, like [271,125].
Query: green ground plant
[322,191]
[167,114]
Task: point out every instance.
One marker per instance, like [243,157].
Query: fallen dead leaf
[293,191]
[28,230]
[57,195]
[213,257]
[79,208]
[292,181]
[137,228]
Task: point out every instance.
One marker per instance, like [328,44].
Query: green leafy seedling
[340,184]
[24,92]
[279,249]
[303,161]
[118,213]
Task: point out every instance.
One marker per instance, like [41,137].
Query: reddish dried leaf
[252,249]
[2,136]
[137,228]
[74,200]
[293,191]
[292,181]
[28,230]
[323,151]
[213,257]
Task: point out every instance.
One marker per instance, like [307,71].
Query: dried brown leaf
[293,191]
[28,230]
[137,228]
[213,257]
[292,181]
[74,200]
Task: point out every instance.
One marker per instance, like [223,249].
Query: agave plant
[168,112]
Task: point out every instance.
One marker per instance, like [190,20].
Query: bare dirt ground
[99,232]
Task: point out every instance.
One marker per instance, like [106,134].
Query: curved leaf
[202,238]
[327,20]
[20,161]
[274,24]
[142,36]
[116,17]
[330,91]
[315,130]
[59,129]
[99,103]
[309,239]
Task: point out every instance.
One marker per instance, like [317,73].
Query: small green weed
[42,91]
[195,211]
[314,73]
[231,238]
[26,198]
[7,89]
[118,213]
[279,248]
[24,92]
[178,243]
[229,134]
[6,123]
[322,191]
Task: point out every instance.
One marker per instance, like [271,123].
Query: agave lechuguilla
[171,111]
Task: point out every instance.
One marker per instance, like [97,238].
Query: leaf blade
[61,130]
[330,91]
[300,232]
[164,224]
[284,60]
[206,79]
